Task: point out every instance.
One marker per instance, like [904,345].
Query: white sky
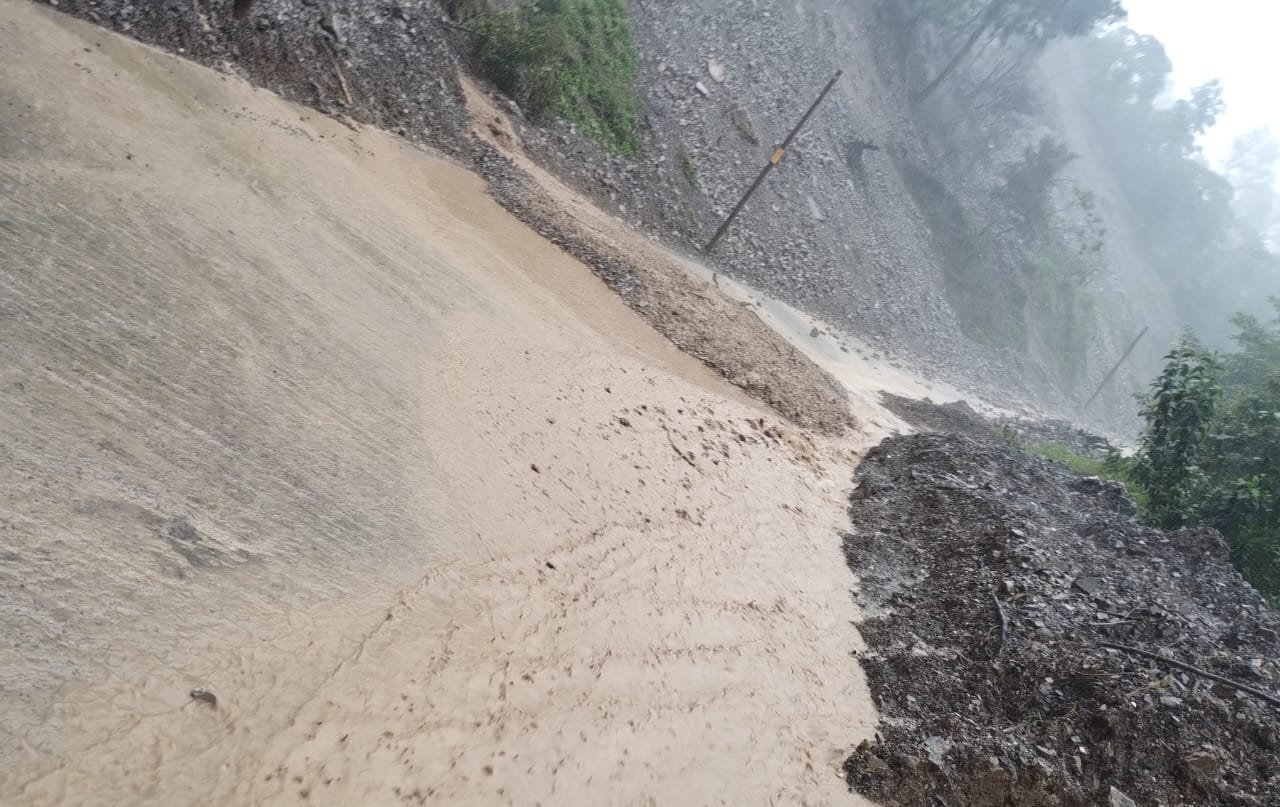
[1237,41]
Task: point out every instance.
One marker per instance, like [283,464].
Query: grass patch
[690,172]
[1113,468]
[571,58]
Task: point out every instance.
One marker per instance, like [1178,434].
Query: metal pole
[774,159]
[1107,378]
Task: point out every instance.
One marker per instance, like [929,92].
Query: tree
[1128,67]
[1034,21]
[1187,215]
[1251,169]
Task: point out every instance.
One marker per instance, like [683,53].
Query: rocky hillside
[835,230]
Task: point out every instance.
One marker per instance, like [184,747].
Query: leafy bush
[572,58]
[689,169]
[1179,414]
[520,50]
[988,303]
[1210,452]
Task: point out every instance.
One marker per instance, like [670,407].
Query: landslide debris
[991,580]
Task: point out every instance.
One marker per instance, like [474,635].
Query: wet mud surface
[324,480]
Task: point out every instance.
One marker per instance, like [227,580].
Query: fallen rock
[741,121]
[1201,764]
[1117,798]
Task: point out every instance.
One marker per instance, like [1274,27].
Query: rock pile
[1030,643]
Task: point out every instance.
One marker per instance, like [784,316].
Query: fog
[1235,43]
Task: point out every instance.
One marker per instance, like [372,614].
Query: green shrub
[1115,467]
[1029,184]
[1179,414]
[988,302]
[572,58]
[1210,451]
[690,172]
[1062,312]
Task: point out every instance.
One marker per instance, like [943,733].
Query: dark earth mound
[990,579]
[958,417]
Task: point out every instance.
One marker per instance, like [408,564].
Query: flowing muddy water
[296,414]
[862,372]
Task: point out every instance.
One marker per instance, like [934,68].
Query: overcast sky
[1237,41]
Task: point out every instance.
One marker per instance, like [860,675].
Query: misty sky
[1237,41]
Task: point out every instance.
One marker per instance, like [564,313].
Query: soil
[397,67]
[695,315]
[958,417]
[990,579]
[325,480]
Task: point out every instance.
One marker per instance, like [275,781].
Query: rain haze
[1232,40]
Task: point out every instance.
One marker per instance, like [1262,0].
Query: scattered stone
[741,121]
[1089,585]
[204,695]
[1118,799]
[877,766]
[1202,764]
[403,56]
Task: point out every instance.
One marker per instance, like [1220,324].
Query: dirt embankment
[1028,641]
[724,333]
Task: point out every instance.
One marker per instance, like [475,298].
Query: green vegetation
[1204,237]
[1210,450]
[1029,183]
[571,58]
[1114,468]
[976,23]
[1062,311]
[1210,453]
[690,172]
[1048,303]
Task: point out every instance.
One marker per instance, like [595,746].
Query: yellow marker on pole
[774,159]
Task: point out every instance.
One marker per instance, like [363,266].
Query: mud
[325,480]
[700,320]
[990,579]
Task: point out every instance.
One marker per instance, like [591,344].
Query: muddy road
[294,413]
